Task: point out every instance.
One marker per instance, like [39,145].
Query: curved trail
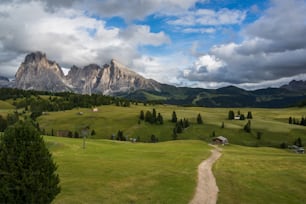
[207,189]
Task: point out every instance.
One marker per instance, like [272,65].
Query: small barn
[95,110]
[220,140]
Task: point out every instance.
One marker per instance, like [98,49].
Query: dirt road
[207,189]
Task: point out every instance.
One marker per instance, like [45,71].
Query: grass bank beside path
[123,172]
[260,175]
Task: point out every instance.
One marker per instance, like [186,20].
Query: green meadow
[260,175]
[251,169]
[272,124]
[123,172]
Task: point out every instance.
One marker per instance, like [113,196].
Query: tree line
[295,121]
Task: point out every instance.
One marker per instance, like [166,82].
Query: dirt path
[207,189]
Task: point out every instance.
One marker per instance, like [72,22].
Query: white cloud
[206,17]
[68,36]
[208,63]
[274,49]
[165,69]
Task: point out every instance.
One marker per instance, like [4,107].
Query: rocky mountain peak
[35,57]
[295,85]
[37,72]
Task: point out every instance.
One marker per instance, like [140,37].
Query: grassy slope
[260,175]
[123,172]
[273,123]
[5,108]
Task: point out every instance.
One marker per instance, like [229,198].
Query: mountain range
[37,72]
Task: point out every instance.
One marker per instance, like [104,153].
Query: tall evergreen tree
[148,116]
[231,115]
[142,116]
[249,116]
[247,126]
[160,119]
[290,120]
[199,119]
[3,124]
[27,170]
[174,117]
[153,119]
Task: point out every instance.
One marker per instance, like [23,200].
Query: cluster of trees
[179,125]
[297,122]
[32,100]
[231,115]
[151,117]
[10,119]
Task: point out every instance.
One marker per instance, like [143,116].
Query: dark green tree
[12,118]
[179,127]
[160,119]
[153,119]
[298,142]
[27,171]
[3,124]
[290,120]
[154,139]
[249,116]
[199,119]
[222,125]
[148,117]
[247,127]
[142,116]
[259,135]
[242,117]
[120,136]
[231,115]
[174,117]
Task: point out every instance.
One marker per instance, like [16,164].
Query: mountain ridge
[37,72]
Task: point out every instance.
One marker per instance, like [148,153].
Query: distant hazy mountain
[4,82]
[295,86]
[39,73]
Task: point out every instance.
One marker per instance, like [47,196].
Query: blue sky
[199,43]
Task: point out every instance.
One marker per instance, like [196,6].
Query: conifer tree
[27,170]
[174,117]
[231,115]
[141,117]
[249,116]
[199,119]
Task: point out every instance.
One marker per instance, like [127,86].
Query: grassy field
[260,175]
[272,123]
[5,107]
[123,172]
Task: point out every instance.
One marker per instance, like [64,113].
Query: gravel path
[207,189]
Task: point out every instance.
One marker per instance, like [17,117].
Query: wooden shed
[220,140]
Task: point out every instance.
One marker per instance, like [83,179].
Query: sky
[250,44]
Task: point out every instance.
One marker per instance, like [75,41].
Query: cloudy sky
[199,43]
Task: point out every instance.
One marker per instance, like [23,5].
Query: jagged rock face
[118,78]
[295,86]
[84,80]
[38,73]
[109,80]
